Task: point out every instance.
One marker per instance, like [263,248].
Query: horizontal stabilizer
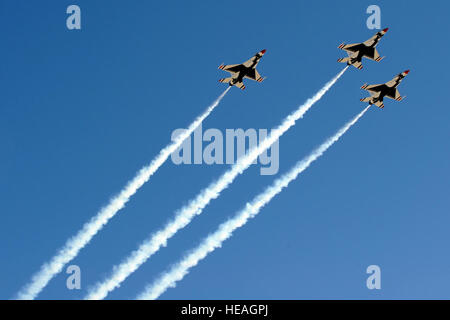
[240,85]
[358,65]
[379,104]
[225,80]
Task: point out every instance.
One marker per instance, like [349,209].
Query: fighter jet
[388,90]
[240,71]
[357,51]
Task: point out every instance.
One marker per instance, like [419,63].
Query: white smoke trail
[195,206]
[91,228]
[225,230]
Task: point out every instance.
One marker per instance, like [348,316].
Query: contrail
[90,229]
[225,230]
[184,215]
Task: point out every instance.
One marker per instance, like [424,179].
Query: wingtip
[263,51]
[385,30]
[406,71]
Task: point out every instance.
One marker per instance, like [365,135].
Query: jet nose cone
[406,72]
[263,51]
[385,30]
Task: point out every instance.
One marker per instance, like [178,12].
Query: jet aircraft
[388,90]
[367,49]
[238,72]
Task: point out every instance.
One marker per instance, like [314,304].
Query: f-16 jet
[388,90]
[245,70]
[367,49]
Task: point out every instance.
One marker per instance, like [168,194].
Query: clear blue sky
[82,111]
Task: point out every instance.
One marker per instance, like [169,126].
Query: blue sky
[82,111]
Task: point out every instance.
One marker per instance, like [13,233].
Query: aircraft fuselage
[240,75]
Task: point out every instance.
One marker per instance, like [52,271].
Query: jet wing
[232,68]
[372,54]
[389,92]
[254,75]
[394,94]
[354,47]
[374,88]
